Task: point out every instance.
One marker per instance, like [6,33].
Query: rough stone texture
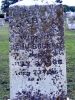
[37,55]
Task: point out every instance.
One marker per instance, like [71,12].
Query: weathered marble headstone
[1,21]
[70,20]
[37,54]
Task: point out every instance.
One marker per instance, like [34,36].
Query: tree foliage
[59,1]
[69,8]
[6,4]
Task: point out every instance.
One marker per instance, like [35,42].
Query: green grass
[4,69]
[70,50]
[4,72]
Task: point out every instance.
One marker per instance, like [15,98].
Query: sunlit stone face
[34,2]
[37,56]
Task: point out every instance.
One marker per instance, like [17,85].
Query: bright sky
[0,2]
[67,2]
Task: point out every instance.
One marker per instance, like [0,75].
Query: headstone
[2,21]
[37,53]
[70,20]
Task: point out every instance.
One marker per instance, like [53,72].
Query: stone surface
[33,2]
[37,54]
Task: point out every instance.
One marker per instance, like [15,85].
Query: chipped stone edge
[18,4]
[67,98]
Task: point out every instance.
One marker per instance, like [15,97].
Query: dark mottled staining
[33,29]
[61,86]
[59,61]
[37,83]
[27,95]
[16,63]
[22,72]
[34,72]
[60,90]
[45,56]
[16,55]
[54,61]
[60,71]
[55,79]
[37,72]
[45,26]
[31,79]
[28,74]
[38,79]
[37,63]
[54,82]
[34,19]
[55,52]
[22,63]
[18,93]
[44,70]
[59,13]
[33,55]
[58,98]
[51,72]
[23,92]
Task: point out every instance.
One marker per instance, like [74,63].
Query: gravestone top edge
[34,2]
